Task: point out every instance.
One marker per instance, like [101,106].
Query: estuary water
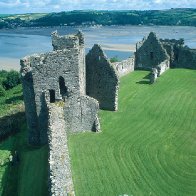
[115,40]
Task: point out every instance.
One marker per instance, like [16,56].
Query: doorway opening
[62,87]
[52,95]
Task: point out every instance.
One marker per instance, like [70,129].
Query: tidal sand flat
[9,63]
[115,40]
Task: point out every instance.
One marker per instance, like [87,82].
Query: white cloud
[10,4]
[158,1]
[16,6]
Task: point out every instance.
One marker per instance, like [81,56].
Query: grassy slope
[11,100]
[27,17]
[30,176]
[148,146]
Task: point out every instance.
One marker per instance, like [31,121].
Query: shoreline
[8,64]
[119,47]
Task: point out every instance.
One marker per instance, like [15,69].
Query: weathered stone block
[124,67]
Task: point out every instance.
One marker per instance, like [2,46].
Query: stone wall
[64,42]
[181,56]
[159,70]
[69,42]
[102,80]
[185,58]
[46,70]
[124,67]
[150,53]
[153,75]
[29,101]
[162,67]
[81,114]
[60,176]
[53,76]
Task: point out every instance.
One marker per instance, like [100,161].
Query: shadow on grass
[14,100]
[17,92]
[146,80]
[147,76]
[29,176]
[10,180]
[11,124]
[143,82]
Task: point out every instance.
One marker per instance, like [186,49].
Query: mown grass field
[147,147]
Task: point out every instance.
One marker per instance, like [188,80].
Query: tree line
[181,17]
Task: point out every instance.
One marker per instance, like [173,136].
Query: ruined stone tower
[55,76]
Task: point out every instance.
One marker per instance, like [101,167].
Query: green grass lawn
[147,147]
[11,101]
[29,177]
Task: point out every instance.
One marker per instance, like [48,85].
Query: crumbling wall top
[172,42]
[67,41]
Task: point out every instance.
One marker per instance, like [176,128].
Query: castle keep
[58,76]
[54,87]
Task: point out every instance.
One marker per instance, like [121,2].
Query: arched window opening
[52,95]
[62,87]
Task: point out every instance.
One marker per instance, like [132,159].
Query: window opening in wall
[151,55]
[62,87]
[52,96]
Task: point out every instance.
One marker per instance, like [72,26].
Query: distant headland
[170,17]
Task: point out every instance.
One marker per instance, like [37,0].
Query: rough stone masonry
[102,81]
[59,78]
[161,54]
[54,76]
[60,176]
[61,96]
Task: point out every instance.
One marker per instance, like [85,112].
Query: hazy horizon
[47,6]
[90,10]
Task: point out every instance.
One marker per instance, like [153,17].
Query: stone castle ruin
[64,89]
[158,55]
[58,76]
[56,80]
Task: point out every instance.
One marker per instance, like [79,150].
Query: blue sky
[26,6]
